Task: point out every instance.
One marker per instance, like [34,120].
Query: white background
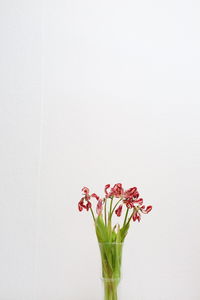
[97,92]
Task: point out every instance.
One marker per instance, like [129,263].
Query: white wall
[20,101]
[95,93]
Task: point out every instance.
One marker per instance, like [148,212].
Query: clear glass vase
[111,257]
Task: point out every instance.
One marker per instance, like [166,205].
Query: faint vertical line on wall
[38,193]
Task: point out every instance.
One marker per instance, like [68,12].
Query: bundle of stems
[111,244]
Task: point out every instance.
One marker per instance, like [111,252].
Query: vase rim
[110,279]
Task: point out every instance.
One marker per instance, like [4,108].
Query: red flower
[117,190]
[106,188]
[136,215]
[131,193]
[88,205]
[85,191]
[108,194]
[118,211]
[99,207]
[146,210]
[82,205]
[129,202]
[136,194]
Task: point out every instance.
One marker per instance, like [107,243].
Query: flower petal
[139,201]
[136,216]
[80,208]
[88,205]
[146,210]
[85,190]
[117,190]
[99,207]
[95,196]
[118,211]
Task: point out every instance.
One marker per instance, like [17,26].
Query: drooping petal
[80,208]
[129,205]
[129,202]
[139,201]
[136,194]
[136,215]
[149,208]
[81,204]
[88,205]
[99,207]
[118,211]
[146,210]
[84,204]
[95,196]
[107,186]
[85,190]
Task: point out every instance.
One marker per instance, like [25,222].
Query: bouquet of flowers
[111,238]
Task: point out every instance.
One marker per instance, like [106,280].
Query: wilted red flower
[99,207]
[85,190]
[117,190]
[118,211]
[106,189]
[131,193]
[88,205]
[129,202]
[110,193]
[136,215]
[82,205]
[136,194]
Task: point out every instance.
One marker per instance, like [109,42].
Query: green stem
[110,291]
[115,206]
[130,218]
[111,202]
[105,213]
[109,218]
[92,214]
[126,216]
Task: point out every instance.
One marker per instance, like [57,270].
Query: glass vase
[111,257]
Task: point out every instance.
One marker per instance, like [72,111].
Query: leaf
[118,236]
[124,231]
[113,236]
[101,230]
